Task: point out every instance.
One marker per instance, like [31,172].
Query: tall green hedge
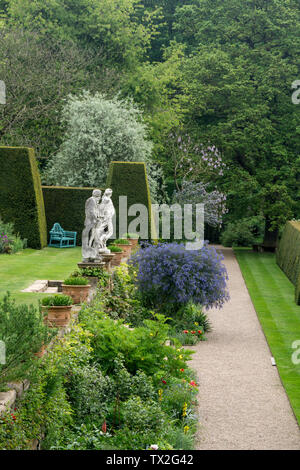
[130,179]
[67,207]
[21,197]
[288,255]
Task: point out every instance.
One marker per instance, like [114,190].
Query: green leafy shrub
[115,249]
[143,348]
[57,301]
[97,130]
[121,241]
[245,232]
[76,281]
[191,317]
[102,275]
[90,393]
[138,415]
[23,332]
[9,242]
[22,200]
[122,302]
[177,398]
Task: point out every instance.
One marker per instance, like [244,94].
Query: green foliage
[21,196]
[98,130]
[154,86]
[245,232]
[23,332]
[53,69]
[189,324]
[130,179]
[288,255]
[57,301]
[115,249]
[147,416]
[9,242]
[110,26]
[143,348]
[76,281]
[90,393]
[121,241]
[236,93]
[177,393]
[103,276]
[73,403]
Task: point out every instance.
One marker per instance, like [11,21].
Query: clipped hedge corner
[21,199]
[130,179]
[288,255]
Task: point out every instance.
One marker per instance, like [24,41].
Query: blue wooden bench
[60,238]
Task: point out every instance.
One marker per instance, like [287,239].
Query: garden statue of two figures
[98,226]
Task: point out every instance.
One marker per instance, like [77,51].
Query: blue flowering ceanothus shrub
[169,276]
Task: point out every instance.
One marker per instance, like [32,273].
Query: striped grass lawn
[20,270]
[273,297]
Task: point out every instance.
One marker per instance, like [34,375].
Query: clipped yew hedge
[130,179]
[288,255]
[66,206]
[21,197]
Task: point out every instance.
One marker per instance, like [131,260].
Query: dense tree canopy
[218,72]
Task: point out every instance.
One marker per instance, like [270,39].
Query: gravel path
[242,403]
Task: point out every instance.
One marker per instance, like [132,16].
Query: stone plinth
[84,265]
[107,258]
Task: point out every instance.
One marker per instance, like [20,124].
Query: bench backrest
[57,229]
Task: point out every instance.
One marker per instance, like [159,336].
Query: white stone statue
[105,229]
[90,248]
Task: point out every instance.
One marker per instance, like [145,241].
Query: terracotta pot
[126,249]
[134,242]
[79,294]
[57,316]
[116,261]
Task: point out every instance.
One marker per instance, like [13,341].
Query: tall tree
[39,74]
[243,58]
[114,26]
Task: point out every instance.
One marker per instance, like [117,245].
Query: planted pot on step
[57,310]
[78,288]
[119,254]
[133,238]
[125,245]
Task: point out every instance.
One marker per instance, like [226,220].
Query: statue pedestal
[90,264]
[107,257]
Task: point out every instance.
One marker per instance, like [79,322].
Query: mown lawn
[273,297]
[20,270]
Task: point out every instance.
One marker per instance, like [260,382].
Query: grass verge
[273,297]
[20,270]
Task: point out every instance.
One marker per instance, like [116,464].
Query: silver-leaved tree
[97,131]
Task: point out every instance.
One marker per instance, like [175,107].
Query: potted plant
[118,252]
[125,245]
[76,287]
[133,238]
[57,310]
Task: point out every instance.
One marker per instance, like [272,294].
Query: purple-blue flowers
[170,274]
